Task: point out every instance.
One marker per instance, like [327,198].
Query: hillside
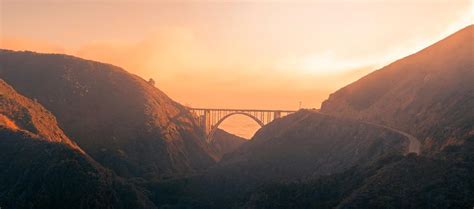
[19,112]
[309,143]
[299,146]
[225,142]
[122,121]
[412,182]
[429,94]
[442,181]
[80,134]
[41,168]
[35,173]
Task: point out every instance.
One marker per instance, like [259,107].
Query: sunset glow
[239,104]
[199,52]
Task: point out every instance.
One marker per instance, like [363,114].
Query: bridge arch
[210,137]
[210,118]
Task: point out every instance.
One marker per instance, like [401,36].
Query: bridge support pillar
[276,114]
[210,119]
[207,121]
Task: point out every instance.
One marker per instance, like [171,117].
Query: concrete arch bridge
[210,119]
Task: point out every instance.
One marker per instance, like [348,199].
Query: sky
[236,54]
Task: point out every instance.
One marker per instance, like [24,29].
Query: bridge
[210,119]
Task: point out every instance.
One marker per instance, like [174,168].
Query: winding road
[414,144]
[413,147]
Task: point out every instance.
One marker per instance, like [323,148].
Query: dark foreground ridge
[41,168]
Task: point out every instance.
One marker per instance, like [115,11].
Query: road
[413,147]
[414,144]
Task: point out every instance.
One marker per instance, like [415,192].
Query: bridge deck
[242,110]
[211,118]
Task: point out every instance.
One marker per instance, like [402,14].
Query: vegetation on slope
[224,142]
[121,120]
[41,168]
[440,181]
[19,112]
[428,94]
[38,174]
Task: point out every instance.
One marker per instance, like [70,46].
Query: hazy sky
[238,54]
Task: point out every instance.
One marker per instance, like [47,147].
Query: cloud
[191,72]
[326,63]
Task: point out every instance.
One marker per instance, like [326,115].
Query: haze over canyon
[83,133]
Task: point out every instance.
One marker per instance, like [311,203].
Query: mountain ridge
[20,113]
[40,167]
[122,121]
[427,94]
